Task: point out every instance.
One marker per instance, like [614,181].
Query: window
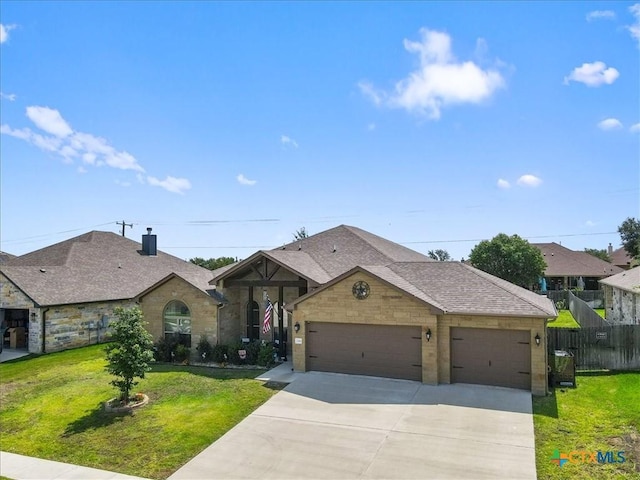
[177,322]
[253,320]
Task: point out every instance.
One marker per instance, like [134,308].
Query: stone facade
[202,307]
[61,326]
[387,305]
[621,307]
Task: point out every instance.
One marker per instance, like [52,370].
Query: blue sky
[228,126]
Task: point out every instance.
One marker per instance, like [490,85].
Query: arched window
[177,322]
[253,320]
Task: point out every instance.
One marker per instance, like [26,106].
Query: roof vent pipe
[149,243]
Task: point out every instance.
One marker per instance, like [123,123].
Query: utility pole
[130,225]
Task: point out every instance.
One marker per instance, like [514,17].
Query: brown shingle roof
[621,258]
[562,261]
[6,257]
[96,266]
[457,289]
[628,280]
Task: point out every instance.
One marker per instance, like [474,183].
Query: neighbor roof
[628,280]
[456,288]
[96,266]
[5,257]
[328,254]
[562,261]
[620,257]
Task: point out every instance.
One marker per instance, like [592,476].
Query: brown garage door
[377,350]
[491,357]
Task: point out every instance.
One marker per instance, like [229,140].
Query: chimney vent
[149,243]
[609,249]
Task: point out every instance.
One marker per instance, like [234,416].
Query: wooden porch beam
[265,283]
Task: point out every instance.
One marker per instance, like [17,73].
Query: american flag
[268,313]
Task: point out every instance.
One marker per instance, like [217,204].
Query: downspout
[220,307]
[44,326]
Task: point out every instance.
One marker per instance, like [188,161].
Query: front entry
[376,350]
[14,327]
[491,357]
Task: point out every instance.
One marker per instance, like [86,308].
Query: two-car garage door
[491,357]
[378,350]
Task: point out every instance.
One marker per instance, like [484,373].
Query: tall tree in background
[300,234]
[213,263]
[599,253]
[439,254]
[511,258]
[630,235]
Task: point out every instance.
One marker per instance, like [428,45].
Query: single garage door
[491,357]
[377,350]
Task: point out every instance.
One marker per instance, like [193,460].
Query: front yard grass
[51,407]
[564,320]
[601,414]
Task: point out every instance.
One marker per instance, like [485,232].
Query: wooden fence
[612,347]
[583,313]
[595,298]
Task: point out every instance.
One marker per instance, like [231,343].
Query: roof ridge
[492,279]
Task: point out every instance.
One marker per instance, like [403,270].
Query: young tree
[509,257]
[599,253]
[213,263]
[630,235]
[130,352]
[439,254]
[300,234]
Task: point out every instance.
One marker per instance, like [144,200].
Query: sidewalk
[19,467]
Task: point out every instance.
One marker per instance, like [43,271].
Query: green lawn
[51,407]
[601,414]
[564,320]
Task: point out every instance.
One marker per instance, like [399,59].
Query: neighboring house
[620,257]
[570,269]
[5,257]
[345,301]
[356,303]
[63,296]
[622,297]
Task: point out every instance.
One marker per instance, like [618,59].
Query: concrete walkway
[328,426]
[19,467]
[12,353]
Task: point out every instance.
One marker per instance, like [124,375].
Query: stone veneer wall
[203,308]
[623,308]
[384,306]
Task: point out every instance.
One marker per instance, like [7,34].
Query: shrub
[182,353]
[561,305]
[220,354]
[234,357]
[205,349]
[163,349]
[266,355]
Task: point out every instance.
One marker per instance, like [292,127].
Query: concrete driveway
[334,426]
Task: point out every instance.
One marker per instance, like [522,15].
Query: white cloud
[8,96]
[610,124]
[529,180]
[635,128]
[503,183]
[288,141]
[49,120]
[171,184]
[440,80]
[593,74]
[69,144]
[371,127]
[589,223]
[242,180]
[4,32]
[601,15]
[634,28]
